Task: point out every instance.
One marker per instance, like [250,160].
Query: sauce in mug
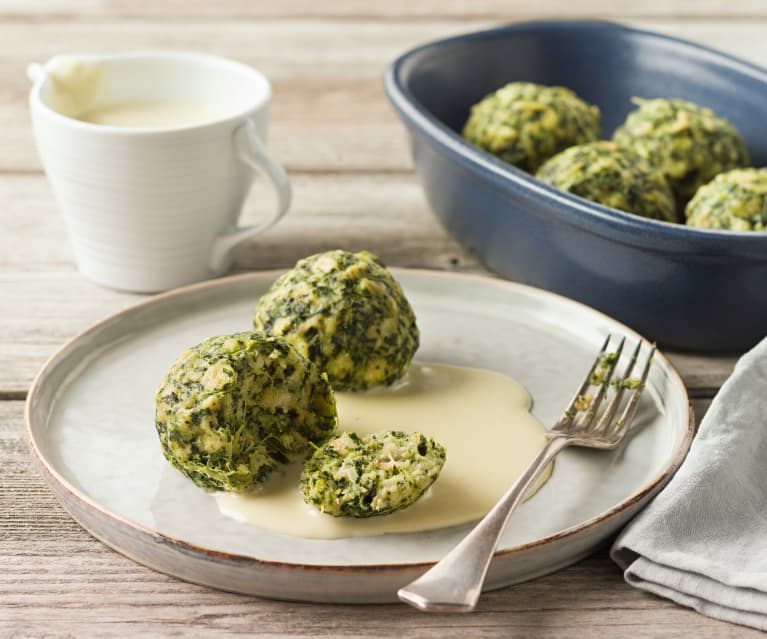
[481,417]
[76,86]
[150,114]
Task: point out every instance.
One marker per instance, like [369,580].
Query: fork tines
[583,409]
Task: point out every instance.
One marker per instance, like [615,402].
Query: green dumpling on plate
[366,476]
[234,408]
[347,314]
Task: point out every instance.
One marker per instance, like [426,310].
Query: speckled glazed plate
[91,428]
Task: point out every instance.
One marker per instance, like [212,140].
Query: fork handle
[455,582]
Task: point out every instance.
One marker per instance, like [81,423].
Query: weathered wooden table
[354,188]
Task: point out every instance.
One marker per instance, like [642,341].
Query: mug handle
[35,72]
[251,150]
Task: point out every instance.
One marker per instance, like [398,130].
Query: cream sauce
[150,114]
[74,84]
[481,417]
[77,92]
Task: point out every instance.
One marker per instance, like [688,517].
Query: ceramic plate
[90,421]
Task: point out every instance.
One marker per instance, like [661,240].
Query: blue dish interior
[684,287]
[604,63]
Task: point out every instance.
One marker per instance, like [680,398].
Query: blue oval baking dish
[685,288]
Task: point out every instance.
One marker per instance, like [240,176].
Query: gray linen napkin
[702,542]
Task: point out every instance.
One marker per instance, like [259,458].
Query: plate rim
[73,493]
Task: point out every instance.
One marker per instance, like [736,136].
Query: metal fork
[455,583]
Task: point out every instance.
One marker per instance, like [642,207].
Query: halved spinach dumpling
[376,474]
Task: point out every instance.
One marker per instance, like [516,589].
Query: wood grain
[58,582]
[40,317]
[329,112]
[354,9]
[385,214]
[382,213]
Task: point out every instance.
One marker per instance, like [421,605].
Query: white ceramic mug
[148,209]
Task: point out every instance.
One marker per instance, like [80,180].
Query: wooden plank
[353,9]
[76,589]
[386,214]
[58,582]
[703,374]
[45,302]
[28,510]
[326,61]
[329,111]
[41,311]
[44,309]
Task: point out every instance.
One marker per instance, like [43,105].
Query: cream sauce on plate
[481,417]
